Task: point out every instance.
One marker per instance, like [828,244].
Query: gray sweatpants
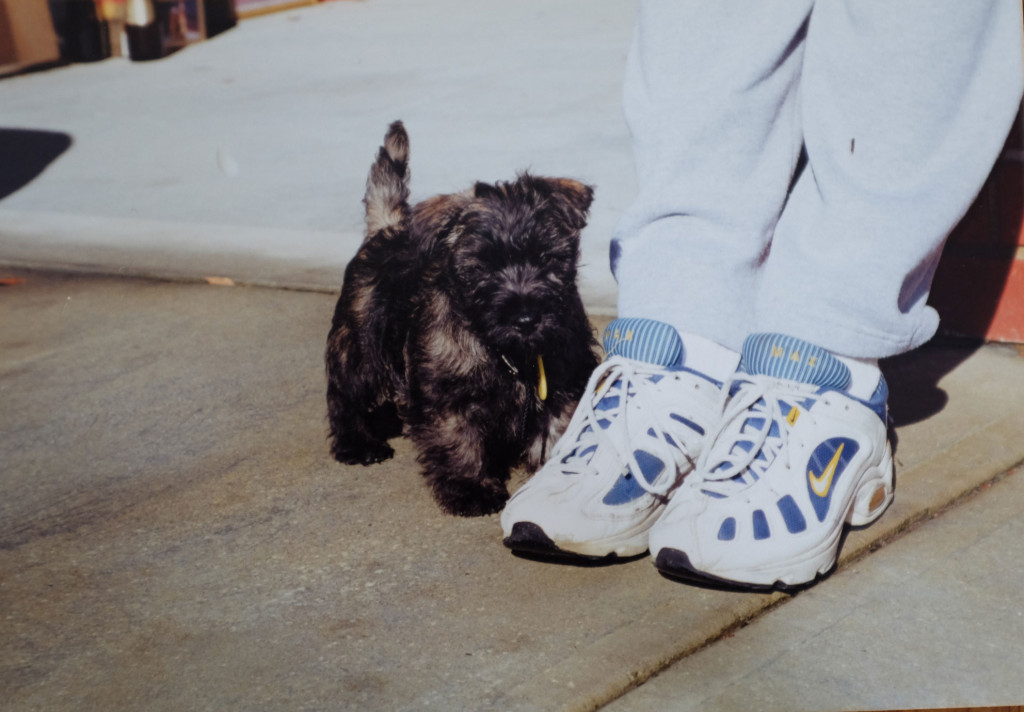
[901,106]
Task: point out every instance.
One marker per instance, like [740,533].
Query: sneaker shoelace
[750,436]
[618,386]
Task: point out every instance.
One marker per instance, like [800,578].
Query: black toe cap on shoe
[529,540]
[676,565]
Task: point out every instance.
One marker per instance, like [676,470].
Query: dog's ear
[485,190]
[571,197]
[433,219]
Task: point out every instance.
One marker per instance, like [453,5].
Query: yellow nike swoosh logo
[821,484]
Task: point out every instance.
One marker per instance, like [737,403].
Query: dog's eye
[491,252]
[556,258]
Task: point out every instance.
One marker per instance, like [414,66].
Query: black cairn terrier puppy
[460,318]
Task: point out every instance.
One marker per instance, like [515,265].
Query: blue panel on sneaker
[645,340]
[650,465]
[760,522]
[879,400]
[793,359]
[687,422]
[626,488]
[824,468]
[727,532]
[792,515]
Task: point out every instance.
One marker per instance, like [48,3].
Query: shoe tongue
[786,357]
[653,342]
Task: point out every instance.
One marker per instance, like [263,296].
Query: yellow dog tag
[542,379]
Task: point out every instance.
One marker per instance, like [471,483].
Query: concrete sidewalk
[246,156]
[175,536]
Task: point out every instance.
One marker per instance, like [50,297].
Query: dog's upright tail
[387,186]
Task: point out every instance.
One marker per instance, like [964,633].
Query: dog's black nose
[526,321]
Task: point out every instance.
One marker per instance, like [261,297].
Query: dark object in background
[82,35]
[144,40]
[220,16]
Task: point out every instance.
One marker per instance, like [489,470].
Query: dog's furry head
[510,254]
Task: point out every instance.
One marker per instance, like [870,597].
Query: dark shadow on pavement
[915,393]
[25,154]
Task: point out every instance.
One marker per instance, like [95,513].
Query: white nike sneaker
[637,431]
[794,459]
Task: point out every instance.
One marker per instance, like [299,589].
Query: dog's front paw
[470,498]
[369,453]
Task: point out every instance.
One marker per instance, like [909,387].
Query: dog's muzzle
[526,321]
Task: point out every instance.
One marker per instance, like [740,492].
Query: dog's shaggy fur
[443,314]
